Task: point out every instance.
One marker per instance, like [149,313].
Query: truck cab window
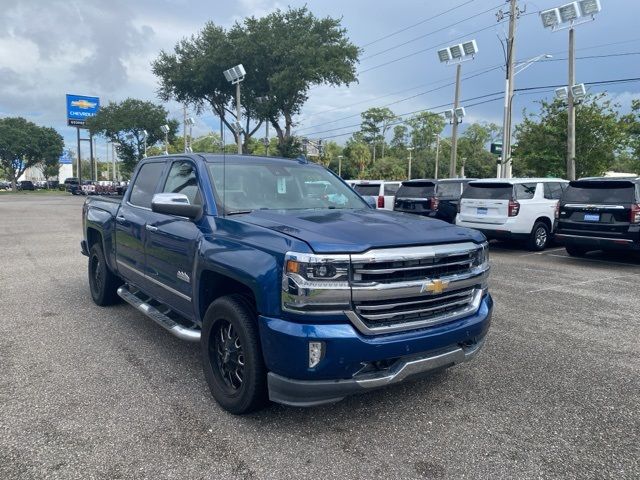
[145,184]
[183,179]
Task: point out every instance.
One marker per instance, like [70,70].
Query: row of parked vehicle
[596,213]
[88,187]
[29,185]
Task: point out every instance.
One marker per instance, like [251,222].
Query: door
[131,219]
[171,242]
[486,202]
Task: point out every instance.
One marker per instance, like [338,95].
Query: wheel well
[93,236]
[546,221]
[215,285]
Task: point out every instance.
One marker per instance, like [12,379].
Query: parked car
[5,185]
[433,198]
[293,296]
[599,214]
[72,185]
[382,192]
[52,184]
[25,185]
[513,208]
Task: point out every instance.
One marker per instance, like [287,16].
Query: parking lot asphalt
[89,392]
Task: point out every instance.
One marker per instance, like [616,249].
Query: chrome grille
[416,269]
[416,287]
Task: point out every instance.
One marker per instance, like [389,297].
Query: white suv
[382,192]
[512,208]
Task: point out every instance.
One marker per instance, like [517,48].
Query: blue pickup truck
[295,295]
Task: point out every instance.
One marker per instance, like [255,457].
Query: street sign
[496,148]
[65,158]
[80,108]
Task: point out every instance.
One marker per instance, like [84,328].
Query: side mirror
[175,204]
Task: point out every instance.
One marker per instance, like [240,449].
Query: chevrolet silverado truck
[294,296]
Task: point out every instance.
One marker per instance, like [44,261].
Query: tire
[576,251]
[232,356]
[539,238]
[103,283]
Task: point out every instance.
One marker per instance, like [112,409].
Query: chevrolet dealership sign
[80,108]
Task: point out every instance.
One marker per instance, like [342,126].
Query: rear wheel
[232,357]
[576,251]
[539,237]
[103,283]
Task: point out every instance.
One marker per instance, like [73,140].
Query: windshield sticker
[282,185]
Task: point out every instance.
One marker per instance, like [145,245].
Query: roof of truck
[519,180]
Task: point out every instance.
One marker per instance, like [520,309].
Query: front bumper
[355,363]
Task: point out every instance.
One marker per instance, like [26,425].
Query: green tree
[284,54]
[126,122]
[210,143]
[357,153]
[375,124]
[541,147]
[24,144]
[631,123]
[330,153]
[387,168]
[473,150]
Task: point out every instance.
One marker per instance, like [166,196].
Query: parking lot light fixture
[235,76]
[165,130]
[562,93]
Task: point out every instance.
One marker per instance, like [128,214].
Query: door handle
[120,219]
[151,228]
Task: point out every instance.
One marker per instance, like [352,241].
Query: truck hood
[355,231]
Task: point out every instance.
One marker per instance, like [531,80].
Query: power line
[481,72]
[430,33]
[416,24]
[497,95]
[405,98]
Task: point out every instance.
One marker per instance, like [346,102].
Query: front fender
[256,269]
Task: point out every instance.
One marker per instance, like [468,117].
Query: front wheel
[103,283]
[232,357]
[539,237]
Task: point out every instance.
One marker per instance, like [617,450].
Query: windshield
[268,186]
[367,189]
[488,191]
[599,192]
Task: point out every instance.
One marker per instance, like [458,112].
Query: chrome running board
[183,333]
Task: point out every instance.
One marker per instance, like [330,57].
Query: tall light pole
[165,130]
[505,167]
[187,145]
[146,135]
[410,149]
[235,76]
[437,135]
[113,158]
[561,18]
[456,54]
[340,157]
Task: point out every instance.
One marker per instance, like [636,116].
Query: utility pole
[92,160]
[506,165]
[437,154]
[571,111]
[184,127]
[79,172]
[238,125]
[340,165]
[409,169]
[454,130]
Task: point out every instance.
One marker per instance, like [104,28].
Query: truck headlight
[315,283]
[481,257]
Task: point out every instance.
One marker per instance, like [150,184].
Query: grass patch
[34,192]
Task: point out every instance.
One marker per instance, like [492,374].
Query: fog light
[316,352]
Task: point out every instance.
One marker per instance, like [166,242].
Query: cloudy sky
[104,48]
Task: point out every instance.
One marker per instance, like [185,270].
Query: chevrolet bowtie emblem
[435,286]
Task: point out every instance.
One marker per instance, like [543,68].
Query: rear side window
[182,179]
[145,185]
[390,189]
[448,189]
[416,190]
[600,192]
[553,191]
[368,189]
[488,191]
[524,191]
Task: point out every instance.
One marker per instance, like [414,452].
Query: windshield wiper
[238,212]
